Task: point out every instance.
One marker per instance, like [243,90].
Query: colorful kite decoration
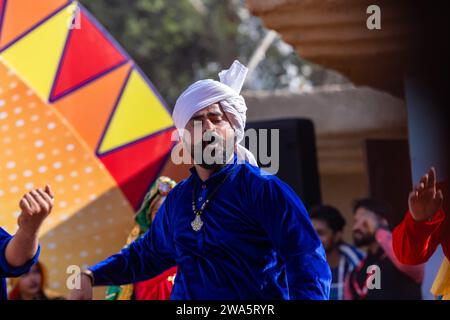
[77,113]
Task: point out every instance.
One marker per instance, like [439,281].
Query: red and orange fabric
[415,242]
[75,112]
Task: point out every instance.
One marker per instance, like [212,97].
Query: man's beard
[221,155]
[216,149]
[363,240]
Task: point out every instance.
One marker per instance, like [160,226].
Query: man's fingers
[24,205]
[33,204]
[413,195]
[42,203]
[49,191]
[46,198]
[37,200]
[424,180]
[431,177]
[439,198]
[429,193]
[419,188]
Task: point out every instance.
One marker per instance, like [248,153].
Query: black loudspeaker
[297,155]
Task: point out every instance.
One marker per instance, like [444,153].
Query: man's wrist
[88,273]
[421,217]
[27,232]
[28,227]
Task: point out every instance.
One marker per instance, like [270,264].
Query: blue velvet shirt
[5,269]
[257,242]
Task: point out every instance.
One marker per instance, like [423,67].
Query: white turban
[204,93]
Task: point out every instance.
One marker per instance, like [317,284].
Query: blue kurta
[5,269]
[257,242]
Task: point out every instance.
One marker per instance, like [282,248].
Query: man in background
[342,257]
[396,280]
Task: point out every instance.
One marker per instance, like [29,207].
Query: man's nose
[208,125]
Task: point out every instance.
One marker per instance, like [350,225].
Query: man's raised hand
[425,200]
[36,206]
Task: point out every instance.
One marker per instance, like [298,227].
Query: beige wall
[339,190]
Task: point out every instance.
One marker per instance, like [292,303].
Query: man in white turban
[233,232]
[220,99]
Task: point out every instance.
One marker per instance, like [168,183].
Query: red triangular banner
[88,54]
[135,166]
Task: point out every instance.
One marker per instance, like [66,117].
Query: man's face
[329,238]
[209,137]
[363,230]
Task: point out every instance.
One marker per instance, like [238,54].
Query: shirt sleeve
[415,242]
[143,259]
[289,227]
[5,269]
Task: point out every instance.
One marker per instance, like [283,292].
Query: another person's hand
[425,200]
[85,291]
[36,206]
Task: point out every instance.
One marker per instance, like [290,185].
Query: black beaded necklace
[197,223]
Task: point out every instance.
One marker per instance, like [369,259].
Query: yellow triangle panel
[138,114]
[35,57]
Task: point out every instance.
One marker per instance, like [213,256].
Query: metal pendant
[197,223]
